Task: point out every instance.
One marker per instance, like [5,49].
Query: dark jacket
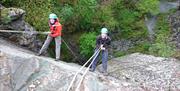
[105,42]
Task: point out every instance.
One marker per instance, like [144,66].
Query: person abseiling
[55,33]
[102,41]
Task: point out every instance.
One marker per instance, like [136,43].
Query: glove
[102,48]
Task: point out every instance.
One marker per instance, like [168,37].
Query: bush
[84,12]
[6,2]
[161,49]
[162,45]
[66,13]
[104,17]
[129,19]
[141,48]
[87,44]
[86,9]
[148,6]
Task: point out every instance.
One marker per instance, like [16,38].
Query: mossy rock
[119,53]
[177,54]
[5,18]
[10,14]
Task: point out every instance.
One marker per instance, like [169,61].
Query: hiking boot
[57,59]
[101,71]
[38,54]
[105,73]
[91,69]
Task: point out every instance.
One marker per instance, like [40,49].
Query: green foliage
[177,54]
[37,13]
[162,47]
[78,16]
[85,9]
[104,17]
[66,13]
[129,19]
[141,48]
[148,6]
[134,34]
[4,17]
[119,54]
[6,2]
[87,44]
[124,16]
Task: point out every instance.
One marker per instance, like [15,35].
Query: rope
[81,69]
[86,71]
[69,48]
[32,32]
[11,31]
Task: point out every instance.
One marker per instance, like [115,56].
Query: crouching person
[55,33]
[103,41]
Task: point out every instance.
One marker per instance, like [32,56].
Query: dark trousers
[104,60]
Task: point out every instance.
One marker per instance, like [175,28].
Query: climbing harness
[93,56]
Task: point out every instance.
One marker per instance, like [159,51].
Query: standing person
[103,41]
[55,33]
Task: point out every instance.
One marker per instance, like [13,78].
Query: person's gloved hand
[52,33]
[102,48]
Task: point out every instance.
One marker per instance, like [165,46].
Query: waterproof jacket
[56,29]
[105,42]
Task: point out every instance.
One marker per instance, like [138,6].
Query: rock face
[28,72]
[147,73]
[122,45]
[5,82]
[13,19]
[174,20]
[21,70]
